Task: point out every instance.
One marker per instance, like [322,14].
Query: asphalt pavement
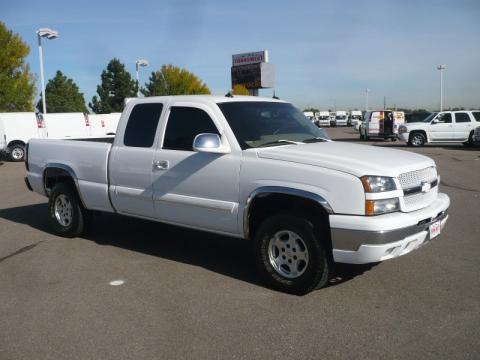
[183,294]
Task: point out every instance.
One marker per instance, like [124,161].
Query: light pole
[366,99]
[441,68]
[139,63]
[50,35]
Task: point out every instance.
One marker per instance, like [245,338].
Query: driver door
[441,127]
[198,189]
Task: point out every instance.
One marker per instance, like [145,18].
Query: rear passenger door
[463,125]
[195,188]
[130,166]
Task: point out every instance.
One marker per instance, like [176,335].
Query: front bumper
[404,136]
[363,239]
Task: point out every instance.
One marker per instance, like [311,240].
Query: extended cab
[445,126]
[251,168]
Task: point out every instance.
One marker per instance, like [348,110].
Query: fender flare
[280,190]
[69,171]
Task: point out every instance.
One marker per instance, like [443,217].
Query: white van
[354,118]
[67,125]
[15,131]
[340,118]
[381,124]
[111,122]
[323,118]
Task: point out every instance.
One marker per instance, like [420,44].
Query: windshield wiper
[315,139]
[280,141]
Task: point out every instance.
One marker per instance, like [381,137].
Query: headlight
[402,129]
[375,184]
[383,206]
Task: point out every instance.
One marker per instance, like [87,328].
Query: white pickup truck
[251,168]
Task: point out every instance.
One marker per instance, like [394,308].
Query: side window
[444,118]
[462,118]
[184,123]
[142,125]
[476,115]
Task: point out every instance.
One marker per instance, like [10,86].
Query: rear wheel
[17,152]
[291,255]
[470,140]
[417,139]
[67,216]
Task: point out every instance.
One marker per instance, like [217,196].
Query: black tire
[16,152]
[315,273]
[79,216]
[470,142]
[416,139]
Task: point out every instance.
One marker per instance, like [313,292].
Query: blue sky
[324,52]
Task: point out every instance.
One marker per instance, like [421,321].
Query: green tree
[62,95]
[240,90]
[17,84]
[117,84]
[172,80]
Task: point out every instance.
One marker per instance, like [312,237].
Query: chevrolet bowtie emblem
[426,187]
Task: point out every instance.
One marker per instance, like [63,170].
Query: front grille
[412,179]
[415,178]
[420,200]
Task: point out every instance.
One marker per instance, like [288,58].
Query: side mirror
[435,121]
[210,143]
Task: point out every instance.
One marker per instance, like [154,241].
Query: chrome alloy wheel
[17,153]
[288,254]
[63,210]
[417,139]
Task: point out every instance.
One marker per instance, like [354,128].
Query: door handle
[161,164]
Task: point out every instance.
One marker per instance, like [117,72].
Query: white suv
[445,126]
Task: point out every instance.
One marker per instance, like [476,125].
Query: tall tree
[17,84]
[62,95]
[117,84]
[172,80]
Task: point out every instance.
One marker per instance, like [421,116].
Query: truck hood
[354,159]
[416,126]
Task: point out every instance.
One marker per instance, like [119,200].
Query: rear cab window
[142,125]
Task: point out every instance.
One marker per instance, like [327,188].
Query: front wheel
[67,216]
[291,254]
[417,139]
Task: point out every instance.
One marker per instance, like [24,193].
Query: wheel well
[16,142]
[267,204]
[419,131]
[53,176]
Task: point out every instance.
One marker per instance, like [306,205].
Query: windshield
[341,117]
[356,116]
[257,123]
[429,117]
[324,117]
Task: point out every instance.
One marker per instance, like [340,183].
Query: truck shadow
[228,256]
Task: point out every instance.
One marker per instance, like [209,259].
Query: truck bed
[87,161]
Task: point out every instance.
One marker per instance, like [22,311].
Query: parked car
[354,118]
[416,116]
[15,131]
[340,118]
[445,126]
[323,118]
[251,168]
[381,124]
[476,136]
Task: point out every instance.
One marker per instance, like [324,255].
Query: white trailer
[15,131]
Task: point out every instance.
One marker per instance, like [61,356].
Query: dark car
[416,116]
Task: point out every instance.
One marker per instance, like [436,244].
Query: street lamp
[441,68]
[366,99]
[50,35]
[139,63]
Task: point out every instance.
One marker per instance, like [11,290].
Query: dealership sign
[250,58]
[253,76]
